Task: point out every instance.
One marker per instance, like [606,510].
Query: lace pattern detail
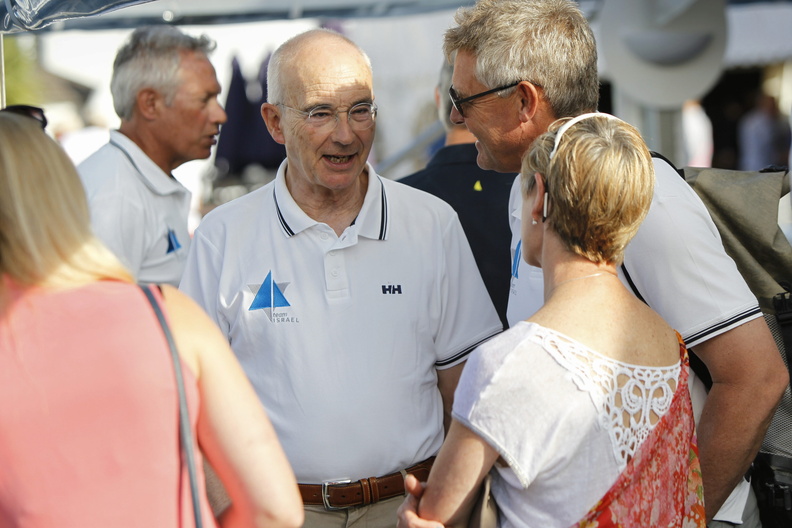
[630,399]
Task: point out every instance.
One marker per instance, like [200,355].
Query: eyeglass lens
[360,117]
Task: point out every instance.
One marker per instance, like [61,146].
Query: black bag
[772,483]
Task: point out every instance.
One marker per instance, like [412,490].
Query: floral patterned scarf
[661,485]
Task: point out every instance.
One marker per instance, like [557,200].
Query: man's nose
[456,117]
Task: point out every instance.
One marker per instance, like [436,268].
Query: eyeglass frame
[33,112]
[307,114]
[457,103]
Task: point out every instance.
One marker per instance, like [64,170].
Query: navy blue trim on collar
[128,156]
[383,231]
[284,225]
[383,214]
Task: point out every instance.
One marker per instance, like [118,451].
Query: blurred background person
[697,130]
[165,91]
[89,422]
[763,135]
[480,197]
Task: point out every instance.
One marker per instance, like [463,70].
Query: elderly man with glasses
[352,301]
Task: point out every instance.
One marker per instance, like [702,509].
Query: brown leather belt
[341,495]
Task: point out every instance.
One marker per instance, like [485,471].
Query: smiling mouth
[338,159]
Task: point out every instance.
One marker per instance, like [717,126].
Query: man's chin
[482,159]
[486,162]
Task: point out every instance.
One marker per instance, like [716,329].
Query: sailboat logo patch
[173,242]
[270,298]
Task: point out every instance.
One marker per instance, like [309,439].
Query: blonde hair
[46,238]
[600,182]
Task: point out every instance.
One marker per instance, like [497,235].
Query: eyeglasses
[457,102]
[32,112]
[360,117]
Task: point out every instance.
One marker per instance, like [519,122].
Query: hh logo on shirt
[173,241]
[269,297]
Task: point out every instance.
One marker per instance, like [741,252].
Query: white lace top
[565,418]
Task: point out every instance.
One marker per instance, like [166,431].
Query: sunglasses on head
[32,112]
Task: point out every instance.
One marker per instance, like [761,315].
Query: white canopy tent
[656,53]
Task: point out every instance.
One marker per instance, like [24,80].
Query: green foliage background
[21,83]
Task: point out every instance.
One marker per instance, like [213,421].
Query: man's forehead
[335,96]
[198,74]
[464,73]
[322,83]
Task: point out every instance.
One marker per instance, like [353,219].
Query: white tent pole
[2,74]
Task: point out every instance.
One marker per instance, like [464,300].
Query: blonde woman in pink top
[88,402]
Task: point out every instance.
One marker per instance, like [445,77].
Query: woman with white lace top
[582,411]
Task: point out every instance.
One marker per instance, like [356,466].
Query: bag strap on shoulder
[185,431]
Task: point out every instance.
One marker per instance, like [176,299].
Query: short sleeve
[533,421]
[468,315]
[679,266]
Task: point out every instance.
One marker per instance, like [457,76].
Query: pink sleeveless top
[89,412]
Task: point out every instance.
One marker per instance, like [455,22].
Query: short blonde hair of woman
[46,237]
[600,183]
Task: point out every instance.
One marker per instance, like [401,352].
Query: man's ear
[529,97]
[147,102]
[272,118]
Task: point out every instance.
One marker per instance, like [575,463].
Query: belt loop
[366,487]
[375,496]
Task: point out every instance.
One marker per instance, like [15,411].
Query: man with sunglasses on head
[351,301]
[518,66]
[165,91]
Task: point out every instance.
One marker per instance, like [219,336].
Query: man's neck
[148,144]
[336,208]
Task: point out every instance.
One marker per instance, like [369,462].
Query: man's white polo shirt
[341,336]
[677,263]
[137,210]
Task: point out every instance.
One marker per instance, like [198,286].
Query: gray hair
[546,42]
[284,57]
[151,59]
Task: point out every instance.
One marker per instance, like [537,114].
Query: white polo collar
[372,221]
[149,172]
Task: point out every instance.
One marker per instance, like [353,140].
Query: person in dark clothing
[480,197]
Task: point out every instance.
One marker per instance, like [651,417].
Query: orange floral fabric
[661,485]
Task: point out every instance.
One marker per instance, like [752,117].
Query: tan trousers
[379,515]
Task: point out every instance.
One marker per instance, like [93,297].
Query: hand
[408,511]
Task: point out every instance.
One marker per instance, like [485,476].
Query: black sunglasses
[33,112]
[457,102]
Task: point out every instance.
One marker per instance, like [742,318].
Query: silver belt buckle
[325,499]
